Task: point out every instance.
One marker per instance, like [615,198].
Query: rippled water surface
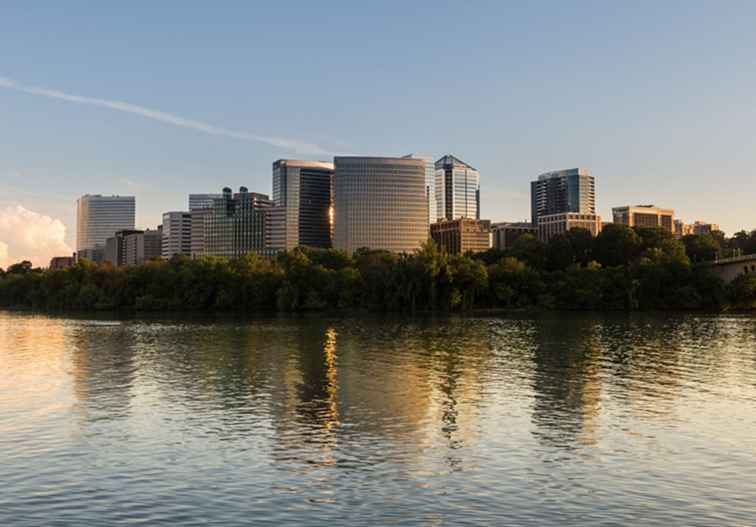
[561,419]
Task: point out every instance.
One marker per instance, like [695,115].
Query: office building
[463,235]
[58,263]
[645,216]
[202,201]
[177,233]
[563,191]
[94,255]
[115,247]
[682,229]
[457,189]
[236,224]
[702,227]
[505,234]
[430,185]
[553,224]
[99,217]
[198,219]
[304,192]
[142,246]
[380,203]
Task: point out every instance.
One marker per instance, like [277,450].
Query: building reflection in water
[566,381]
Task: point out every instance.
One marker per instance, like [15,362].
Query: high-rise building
[457,189]
[380,203]
[563,191]
[304,190]
[115,247]
[236,224]
[430,185]
[199,218]
[505,234]
[463,235]
[99,217]
[553,224]
[202,201]
[645,216]
[177,233]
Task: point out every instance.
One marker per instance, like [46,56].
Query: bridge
[728,269]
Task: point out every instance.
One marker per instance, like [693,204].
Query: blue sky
[656,99]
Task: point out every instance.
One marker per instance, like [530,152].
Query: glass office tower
[563,191]
[304,189]
[457,189]
[380,203]
[100,217]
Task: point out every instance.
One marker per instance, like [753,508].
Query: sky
[161,99]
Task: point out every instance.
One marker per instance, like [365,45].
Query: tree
[20,268]
[702,248]
[527,248]
[617,245]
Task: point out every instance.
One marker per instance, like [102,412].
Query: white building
[100,217]
[177,233]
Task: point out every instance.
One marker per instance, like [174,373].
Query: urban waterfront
[576,419]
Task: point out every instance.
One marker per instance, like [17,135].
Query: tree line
[621,269]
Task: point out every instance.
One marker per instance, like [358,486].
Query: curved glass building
[380,203]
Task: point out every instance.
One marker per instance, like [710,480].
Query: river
[569,419]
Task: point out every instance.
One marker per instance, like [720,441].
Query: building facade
[463,235]
[702,227]
[457,189]
[177,233]
[554,224]
[503,235]
[563,191]
[202,201]
[198,220]
[99,217]
[143,246]
[380,203]
[430,185]
[115,247]
[61,262]
[236,224]
[304,190]
[645,216]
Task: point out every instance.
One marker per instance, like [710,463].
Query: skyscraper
[99,217]
[177,233]
[563,191]
[430,185]
[236,224]
[304,190]
[380,203]
[457,189]
[202,201]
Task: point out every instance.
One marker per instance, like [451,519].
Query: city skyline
[217,109]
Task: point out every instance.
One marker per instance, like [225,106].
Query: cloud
[168,118]
[28,235]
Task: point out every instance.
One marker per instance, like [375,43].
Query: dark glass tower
[562,191]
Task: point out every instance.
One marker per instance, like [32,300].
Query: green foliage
[621,269]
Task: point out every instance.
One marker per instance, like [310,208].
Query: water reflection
[292,420]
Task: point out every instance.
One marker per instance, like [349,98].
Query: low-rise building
[94,254]
[554,224]
[645,216]
[462,235]
[702,227]
[61,262]
[505,234]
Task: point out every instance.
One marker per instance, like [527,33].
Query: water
[560,419]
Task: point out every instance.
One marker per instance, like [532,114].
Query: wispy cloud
[168,118]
